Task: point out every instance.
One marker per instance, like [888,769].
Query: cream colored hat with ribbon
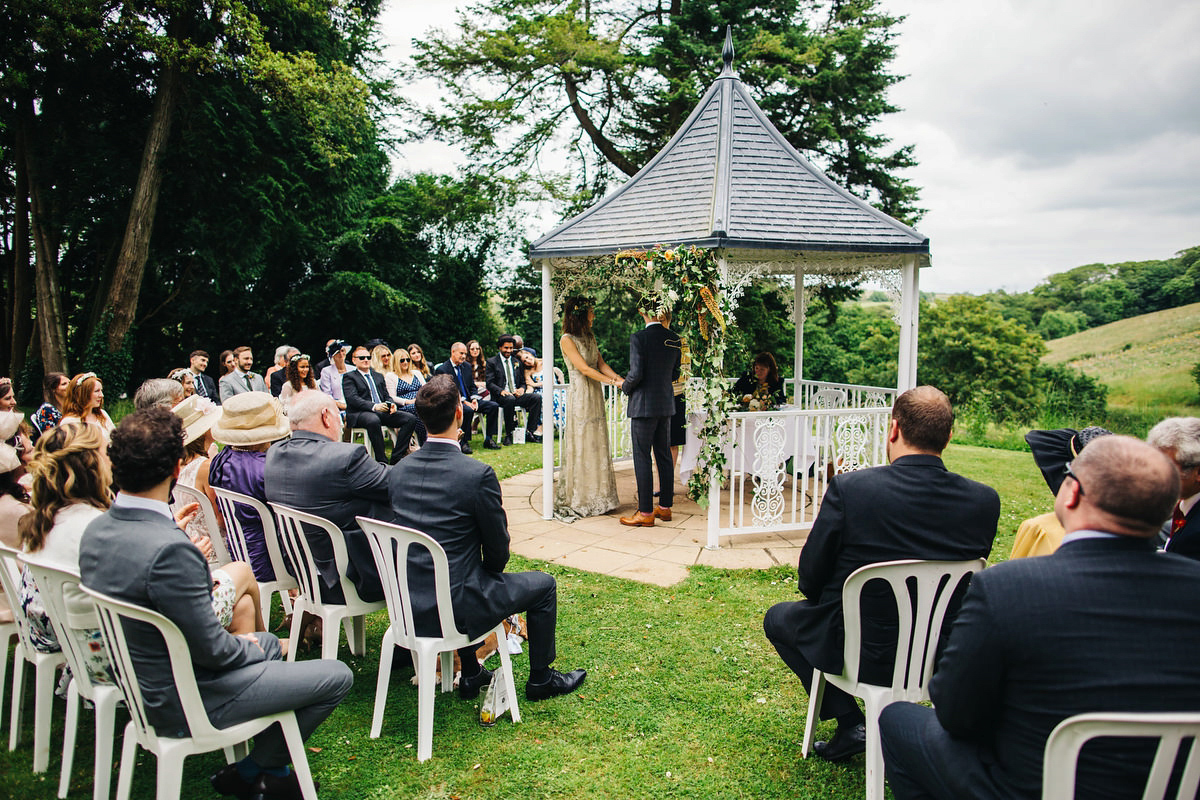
[251,418]
[9,458]
[199,414]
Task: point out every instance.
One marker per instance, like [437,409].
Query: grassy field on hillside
[685,698]
[1145,361]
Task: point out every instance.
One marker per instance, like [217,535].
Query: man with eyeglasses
[1178,438]
[369,406]
[1104,624]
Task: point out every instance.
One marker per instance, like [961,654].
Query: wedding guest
[251,422]
[330,381]
[277,377]
[763,375]
[533,377]
[158,392]
[8,397]
[85,403]
[407,383]
[14,493]
[478,365]
[228,362]
[418,360]
[282,354]
[183,376]
[382,361]
[49,413]
[299,378]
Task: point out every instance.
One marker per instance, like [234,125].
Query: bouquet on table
[760,399]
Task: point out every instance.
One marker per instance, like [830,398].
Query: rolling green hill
[1146,360]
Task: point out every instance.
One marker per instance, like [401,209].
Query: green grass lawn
[1145,361]
[684,697]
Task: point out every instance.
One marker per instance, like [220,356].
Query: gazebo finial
[727,54]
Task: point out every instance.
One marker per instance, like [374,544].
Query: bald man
[1103,624]
[912,508]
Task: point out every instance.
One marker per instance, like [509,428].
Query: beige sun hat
[9,458]
[199,414]
[251,418]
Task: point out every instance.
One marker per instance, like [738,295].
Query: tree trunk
[51,326]
[123,292]
[603,144]
[20,294]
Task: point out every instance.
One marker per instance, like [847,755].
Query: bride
[586,487]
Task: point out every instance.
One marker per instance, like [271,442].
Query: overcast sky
[1049,133]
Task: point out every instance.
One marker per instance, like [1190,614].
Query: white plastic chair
[385,540]
[1069,736]
[829,398]
[45,666]
[236,538]
[359,436]
[186,494]
[916,647]
[204,737]
[53,584]
[292,525]
[8,632]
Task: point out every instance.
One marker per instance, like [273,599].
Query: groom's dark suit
[1102,624]
[654,354]
[456,500]
[912,508]
[140,556]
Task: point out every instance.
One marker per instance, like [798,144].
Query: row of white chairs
[390,545]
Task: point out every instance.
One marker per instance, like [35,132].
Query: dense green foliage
[1095,294]
[617,78]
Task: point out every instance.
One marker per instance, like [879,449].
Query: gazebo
[729,181]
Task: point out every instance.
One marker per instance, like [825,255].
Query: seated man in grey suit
[912,508]
[135,552]
[316,472]
[1104,623]
[240,378]
[455,499]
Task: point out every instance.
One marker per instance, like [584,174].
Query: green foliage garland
[685,282]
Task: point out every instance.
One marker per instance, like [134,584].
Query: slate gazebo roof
[728,179]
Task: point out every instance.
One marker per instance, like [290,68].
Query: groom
[654,354]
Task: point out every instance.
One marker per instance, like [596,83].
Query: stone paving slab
[659,555]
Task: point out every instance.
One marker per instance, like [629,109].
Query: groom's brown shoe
[662,513]
[639,520]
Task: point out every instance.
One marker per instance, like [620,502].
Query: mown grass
[685,698]
[1146,361]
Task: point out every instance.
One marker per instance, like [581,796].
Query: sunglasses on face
[362,358]
[403,360]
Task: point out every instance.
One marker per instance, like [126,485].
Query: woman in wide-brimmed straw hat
[250,423]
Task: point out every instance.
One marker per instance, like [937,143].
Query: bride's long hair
[575,316]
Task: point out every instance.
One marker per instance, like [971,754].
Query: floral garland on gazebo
[687,283]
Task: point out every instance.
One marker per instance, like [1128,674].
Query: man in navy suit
[368,406]
[205,386]
[654,356]
[912,508]
[1179,440]
[460,506]
[1103,624]
[458,369]
[506,384]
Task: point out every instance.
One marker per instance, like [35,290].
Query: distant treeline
[1096,294]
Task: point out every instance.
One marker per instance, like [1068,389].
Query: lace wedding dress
[586,485]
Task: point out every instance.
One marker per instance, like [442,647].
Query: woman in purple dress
[250,422]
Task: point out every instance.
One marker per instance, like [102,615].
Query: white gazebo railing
[778,462]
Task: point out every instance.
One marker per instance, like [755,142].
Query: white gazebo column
[906,371]
[799,312]
[547,393]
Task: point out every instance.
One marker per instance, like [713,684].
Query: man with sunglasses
[369,406]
